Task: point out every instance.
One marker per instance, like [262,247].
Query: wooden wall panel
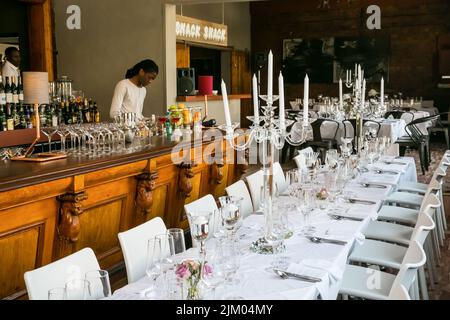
[19,246]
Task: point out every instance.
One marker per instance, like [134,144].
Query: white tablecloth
[256,279]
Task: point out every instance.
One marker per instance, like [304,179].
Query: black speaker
[260,60]
[185,82]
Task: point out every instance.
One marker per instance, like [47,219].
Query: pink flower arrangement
[189,270]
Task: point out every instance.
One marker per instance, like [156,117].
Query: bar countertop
[18,174]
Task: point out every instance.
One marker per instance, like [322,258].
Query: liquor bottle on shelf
[96,113]
[54,116]
[73,113]
[8,92]
[28,118]
[3,126]
[86,112]
[9,117]
[20,90]
[22,117]
[32,117]
[79,113]
[42,116]
[14,90]
[2,93]
[68,114]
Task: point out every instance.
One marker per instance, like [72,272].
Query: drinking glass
[78,289]
[231,213]
[167,252]
[57,294]
[292,177]
[200,229]
[153,266]
[100,285]
[217,227]
[49,132]
[178,240]
[214,272]
[306,208]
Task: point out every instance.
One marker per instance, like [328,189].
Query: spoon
[385,172]
[286,275]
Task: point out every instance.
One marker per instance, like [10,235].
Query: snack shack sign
[190,29]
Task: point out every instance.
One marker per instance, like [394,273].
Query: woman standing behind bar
[129,94]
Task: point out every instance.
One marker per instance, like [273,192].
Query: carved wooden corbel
[184,179]
[217,173]
[144,192]
[69,222]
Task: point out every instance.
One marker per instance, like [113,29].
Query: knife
[339,217]
[361,201]
[324,240]
[299,276]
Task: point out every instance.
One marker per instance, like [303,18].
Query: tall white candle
[341,98]
[255,99]
[363,93]
[226,107]
[382,93]
[305,100]
[270,78]
[347,77]
[281,94]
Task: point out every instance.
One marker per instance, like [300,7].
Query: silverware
[285,275]
[338,217]
[367,202]
[394,162]
[374,185]
[323,240]
[378,171]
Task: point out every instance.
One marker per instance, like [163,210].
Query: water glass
[178,240]
[100,285]
[200,228]
[57,294]
[78,289]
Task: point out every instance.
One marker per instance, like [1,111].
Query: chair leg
[422,158]
[423,284]
[447,138]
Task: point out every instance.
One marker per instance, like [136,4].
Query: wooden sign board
[200,31]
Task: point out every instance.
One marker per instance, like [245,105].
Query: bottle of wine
[3,126]
[28,117]
[32,117]
[2,94]
[42,116]
[86,112]
[22,117]
[96,113]
[73,112]
[20,90]
[9,117]
[8,92]
[15,91]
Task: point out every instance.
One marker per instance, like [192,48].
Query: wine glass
[49,132]
[63,133]
[153,267]
[214,272]
[100,286]
[167,252]
[200,229]
[231,213]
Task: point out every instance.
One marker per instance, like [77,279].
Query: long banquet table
[257,281]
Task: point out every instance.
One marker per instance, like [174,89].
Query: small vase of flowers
[190,271]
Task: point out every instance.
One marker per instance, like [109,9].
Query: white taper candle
[255,100]
[270,78]
[281,94]
[226,107]
[305,100]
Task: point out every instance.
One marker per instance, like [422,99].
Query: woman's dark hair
[146,65]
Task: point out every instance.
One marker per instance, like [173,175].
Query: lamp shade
[35,87]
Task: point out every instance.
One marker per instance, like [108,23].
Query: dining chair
[373,284]
[55,275]
[255,182]
[279,178]
[300,159]
[134,244]
[206,204]
[239,189]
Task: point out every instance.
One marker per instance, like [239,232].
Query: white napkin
[323,269]
[371,177]
[399,168]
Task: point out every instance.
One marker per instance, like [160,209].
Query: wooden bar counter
[51,210]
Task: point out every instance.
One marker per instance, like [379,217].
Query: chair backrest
[408,116]
[239,189]
[134,244]
[300,159]
[206,203]
[414,259]
[373,124]
[396,114]
[255,182]
[425,221]
[413,129]
[279,178]
[56,274]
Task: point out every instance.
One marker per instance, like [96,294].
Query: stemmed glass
[231,213]
[49,132]
[167,252]
[214,272]
[179,243]
[100,286]
[307,207]
[200,229]
[63,132]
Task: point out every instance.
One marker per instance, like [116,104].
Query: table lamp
[36,92]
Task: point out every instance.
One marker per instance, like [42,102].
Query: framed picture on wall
[326,60]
